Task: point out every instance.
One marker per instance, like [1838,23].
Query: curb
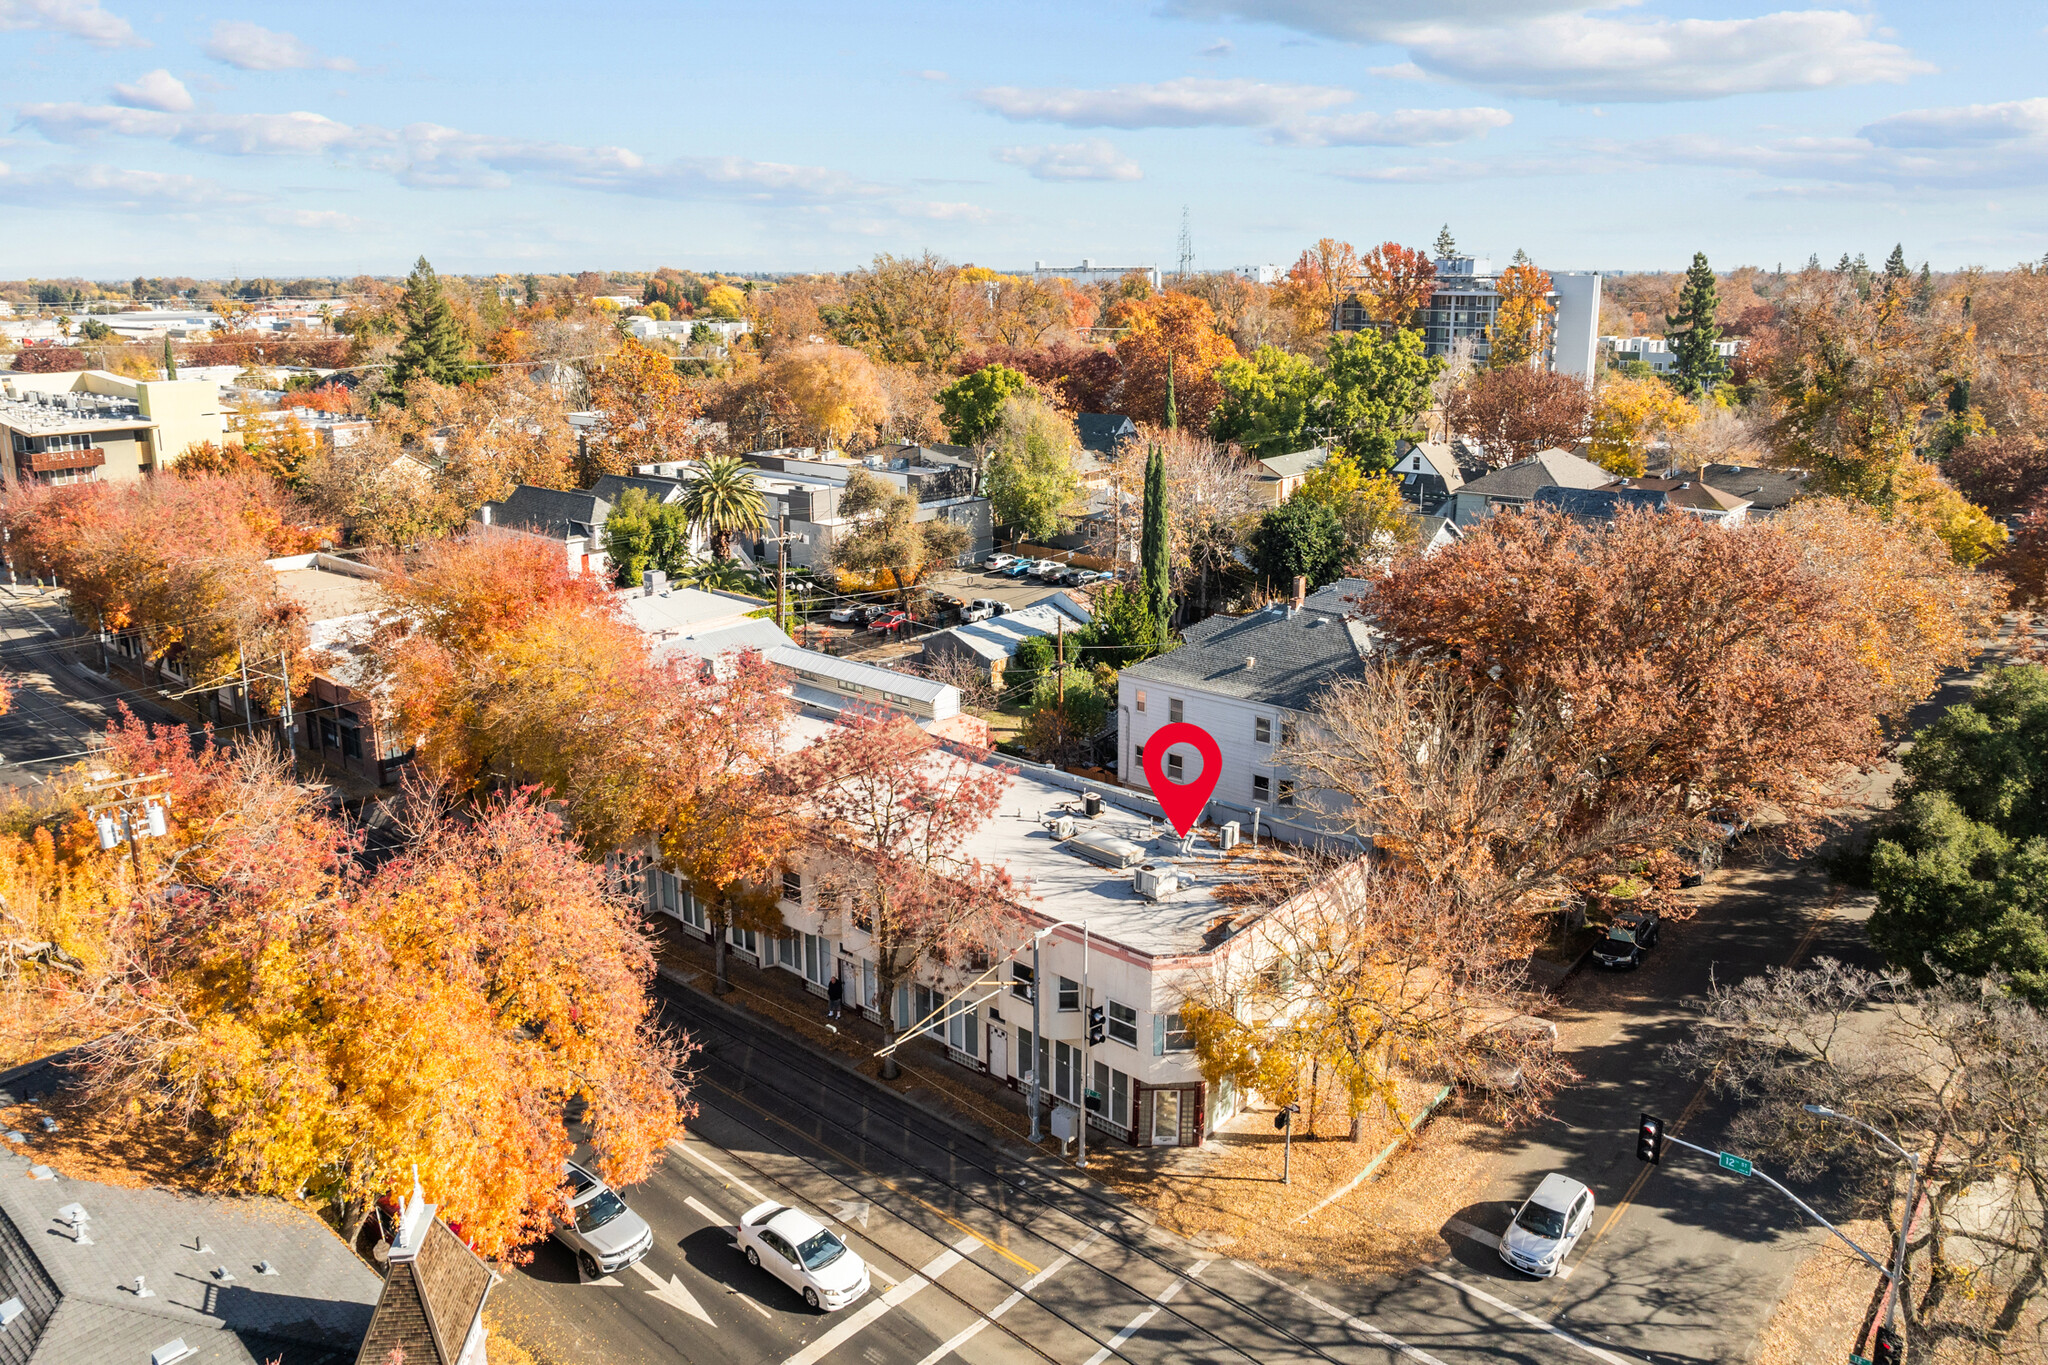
[1015,1151]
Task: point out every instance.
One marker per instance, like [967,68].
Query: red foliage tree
[2024,559]
[892,810]
[2001,471]
[48,359]
[1516,411]
[1701,668]
[327,398]
[1399,283]
[1083,378]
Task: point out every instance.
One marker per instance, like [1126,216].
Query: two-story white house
[1250,681]
[1133,915]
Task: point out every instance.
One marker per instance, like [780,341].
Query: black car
[1633,933]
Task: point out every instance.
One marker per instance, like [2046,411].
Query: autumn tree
[325,1027]
[1032,483]
[892,811]
[1170,333]
[1079,378]
[883,534]
[1398,284]
[1519,411]
[647,412]
[833,389]
[1629,415]
[1317,282]
[1955,1070]
[514,671]
[903,310]
[1377,523]
[1372,977]
[1521,322]
[2024,559]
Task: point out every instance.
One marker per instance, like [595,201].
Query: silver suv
[600,1229]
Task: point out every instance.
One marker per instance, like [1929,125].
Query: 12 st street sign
[1732,1162]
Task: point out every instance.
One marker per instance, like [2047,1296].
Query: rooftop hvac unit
[1092,803]
[1063,827]
[1156,881]
[1098,846]
[1227,836]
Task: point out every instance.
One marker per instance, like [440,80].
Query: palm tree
[722,500]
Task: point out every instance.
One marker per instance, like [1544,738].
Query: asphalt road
[981,1255]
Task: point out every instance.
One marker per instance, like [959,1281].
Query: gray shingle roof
[79,1299]
[1551,467]
[551,511]
[1600,504]
[1100,431]
[1295,656]
[611,486]
[1767,490]
[1438,455]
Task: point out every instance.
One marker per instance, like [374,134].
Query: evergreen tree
[1155,545]
[1845,265]
[1446,245]
[1813,261]
[170,361]
[1694,333]
[433,346]
[1895,264]
[1521,257]
[1172,412]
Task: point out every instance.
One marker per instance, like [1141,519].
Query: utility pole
[248,706]
[781,569]
[1060,663]
[1898,1276]
[290,737]
[1187,247]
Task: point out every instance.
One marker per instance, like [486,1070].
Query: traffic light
[1095,1025]
[1650,1140]
[1890,1349]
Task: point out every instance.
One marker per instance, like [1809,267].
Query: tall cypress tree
[1694,334]
[433,347]
[1155,545]
[1172,409]
[170,361]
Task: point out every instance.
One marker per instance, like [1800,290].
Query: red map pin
[1182,801]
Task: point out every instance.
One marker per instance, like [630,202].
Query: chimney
[1251,661]
[485,513]
[412,1223]
[1300,591]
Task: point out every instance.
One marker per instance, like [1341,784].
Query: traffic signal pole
[1649,1147]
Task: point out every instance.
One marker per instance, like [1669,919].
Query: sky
[777,136]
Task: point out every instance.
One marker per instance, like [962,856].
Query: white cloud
[430,156]
[1570,50]
[319,220]
[158,89]
[79,18]
[933,75]
[1222,47]
[1094,159]
[1448,170]
[1404,71]
[113,189]
[1973,125]
[251,47]
[1402,128]
[1189,102]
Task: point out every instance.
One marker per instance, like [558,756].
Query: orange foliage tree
[326,1027]
[647,411]
[1174,332]
[1521,324]
[1316,283]
[1399,283]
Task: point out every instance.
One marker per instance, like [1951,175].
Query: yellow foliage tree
[1628,415]
[1522,322]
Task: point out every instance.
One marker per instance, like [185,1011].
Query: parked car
[982,609]
[1081,578]
[604,1234]
[892,621]
[856,614]
[996,563]
[804,1254]
[1046,570]
[1547,1226]
[1019,568]
[1503,1047]
[1632,934]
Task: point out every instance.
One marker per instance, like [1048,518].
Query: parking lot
[964,584]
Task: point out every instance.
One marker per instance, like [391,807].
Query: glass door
[1166,1118]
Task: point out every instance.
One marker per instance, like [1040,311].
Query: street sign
[1732,1162]
[1855,1359]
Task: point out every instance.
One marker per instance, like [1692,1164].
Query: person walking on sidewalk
[835,994]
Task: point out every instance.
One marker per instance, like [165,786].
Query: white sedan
[1547,1226]
[804,1254]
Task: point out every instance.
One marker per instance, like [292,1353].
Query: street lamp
[1912,1161]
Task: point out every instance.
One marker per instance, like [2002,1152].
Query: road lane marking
[1699,1096]
[673,1293]
[1137,1324]
[932,1269]
[969,1332]
[1588,1347]
[881,1180]
[705,1213]
[1488,1239]
[1351,1320]
[727,1176]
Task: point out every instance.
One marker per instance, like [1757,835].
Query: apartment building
[1467,299]
[87,425]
